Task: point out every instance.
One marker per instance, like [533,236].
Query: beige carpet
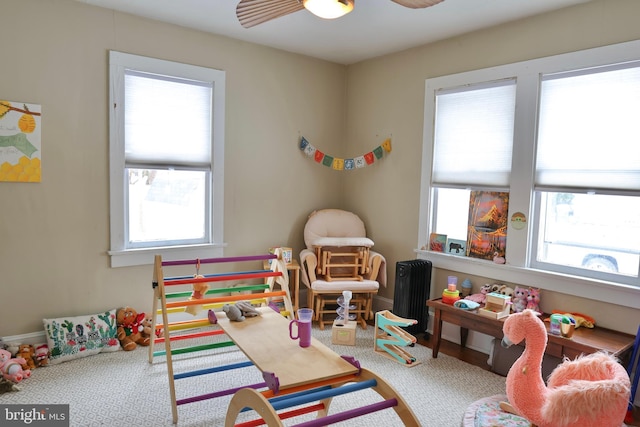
[123,389]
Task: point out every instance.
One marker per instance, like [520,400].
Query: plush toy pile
[17,361]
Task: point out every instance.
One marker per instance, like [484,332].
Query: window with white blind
[588,172]
[561,135]
[473,138]
[167,153]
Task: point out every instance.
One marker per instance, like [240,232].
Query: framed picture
[437,242]
[456,247]
[20,142]
[487,229]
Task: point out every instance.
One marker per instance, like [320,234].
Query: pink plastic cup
[304,327]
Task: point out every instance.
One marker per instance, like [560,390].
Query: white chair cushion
[343,241]
[332,223]
[345,285]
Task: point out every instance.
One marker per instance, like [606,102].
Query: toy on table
[481,297]
[533,300]
[131,329]
[592,390]
[505,290]
[581,319]
[466,288]
[496,306]
[519,299]
[466,304]
[11,368]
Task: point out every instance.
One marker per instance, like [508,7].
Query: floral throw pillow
[70,338]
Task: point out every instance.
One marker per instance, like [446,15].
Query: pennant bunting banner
[338,163]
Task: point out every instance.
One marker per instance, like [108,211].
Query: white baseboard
[30,338]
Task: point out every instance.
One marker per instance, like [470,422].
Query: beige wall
[54,235]
[387,95]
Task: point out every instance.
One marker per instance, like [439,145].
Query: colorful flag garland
[338,163]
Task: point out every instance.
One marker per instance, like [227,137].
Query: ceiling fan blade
[254,12]
[417,4]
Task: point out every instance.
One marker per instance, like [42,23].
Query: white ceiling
[374,28]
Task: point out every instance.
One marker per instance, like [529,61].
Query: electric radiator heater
[413,284]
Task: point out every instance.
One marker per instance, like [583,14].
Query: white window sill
[614,293]
[146,256]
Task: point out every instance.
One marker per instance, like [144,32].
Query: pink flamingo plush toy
[591,391]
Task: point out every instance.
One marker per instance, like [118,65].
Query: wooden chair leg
[369,306]
[319,309]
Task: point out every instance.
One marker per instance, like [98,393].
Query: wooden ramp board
[265,341]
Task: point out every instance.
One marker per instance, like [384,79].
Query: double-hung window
[587,175]
[166,159]
[473,139]
[561,136]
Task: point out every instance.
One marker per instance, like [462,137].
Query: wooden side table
[584,340]
[294,279]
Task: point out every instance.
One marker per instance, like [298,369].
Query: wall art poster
[487,230]
[456,247]
[20,144]
[437,242]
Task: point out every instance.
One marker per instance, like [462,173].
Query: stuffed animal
[591,390]
[233,313]
[27,352]
[130,328]
[199,291]
[247,309]
[147,326]
[6,386]
[505,290]
[519,299]
[42,355]
[11,368]
[481,297]
[13,348]
[533,300]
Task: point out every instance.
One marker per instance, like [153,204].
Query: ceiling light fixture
[329,9]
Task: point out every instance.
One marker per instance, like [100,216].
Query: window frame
[119,253]
[527,75]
